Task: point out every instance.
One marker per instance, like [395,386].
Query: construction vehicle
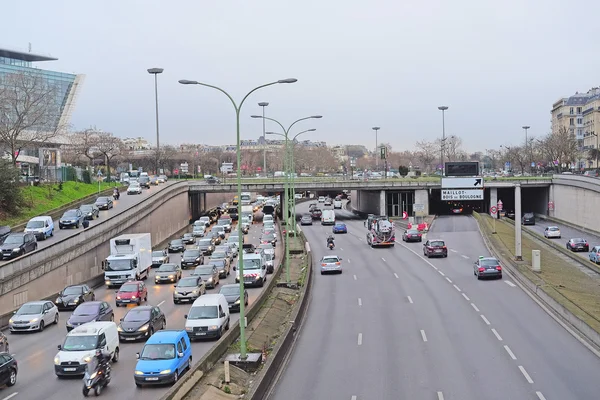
[380,231]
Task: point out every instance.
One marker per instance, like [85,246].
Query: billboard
[49,157]
[461,168]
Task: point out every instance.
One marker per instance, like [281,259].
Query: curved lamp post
[237,108]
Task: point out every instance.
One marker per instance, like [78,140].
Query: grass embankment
[39,200]
[559,278]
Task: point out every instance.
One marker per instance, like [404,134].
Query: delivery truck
[247,214]
[130,259]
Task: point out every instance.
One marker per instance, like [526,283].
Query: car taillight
[499,268]
[337,263]
[429,248]
[323,265]
[481,269]
[444,247]
[420,235]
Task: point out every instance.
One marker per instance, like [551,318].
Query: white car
[552,232]
[134,188]
[33,316]
[321,199]
[337,204]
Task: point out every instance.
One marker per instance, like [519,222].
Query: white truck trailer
[130,259]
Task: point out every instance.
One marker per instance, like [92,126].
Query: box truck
[247,214]
[130,259]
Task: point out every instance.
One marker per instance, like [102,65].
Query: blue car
[339,228]
[165,356]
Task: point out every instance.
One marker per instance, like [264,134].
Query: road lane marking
[360,339]
[441,273]
[463,256]
[485,319]
[383,259]
[525,374]
[509,283]
[410,299]
[540,396]
[475,307]
[348,261]
[396,275]
[454,251]
[448,279]
[440,395]
[10,396]
[353,398]
[434,267]
[457,288]
[354,277]
[466,297]
[497,334]
[359,302]
[160,304]
[341,249]
[423,335]
[510,353]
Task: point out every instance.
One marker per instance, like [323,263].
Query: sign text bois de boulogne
[462,194]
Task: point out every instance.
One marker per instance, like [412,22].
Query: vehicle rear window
[328,260]
[437,243]
[488,263]
[553,228]
[578,240]
[415,232]
[528,215]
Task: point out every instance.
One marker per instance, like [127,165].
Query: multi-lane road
[396,325]
[35,351]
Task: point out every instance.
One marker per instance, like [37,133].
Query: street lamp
[237,108]
[527,154]
[155,72]
[263,104]
[376,128]
[443,110]
[289,200]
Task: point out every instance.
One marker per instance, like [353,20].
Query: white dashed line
[457,288]
[463,256]
[466,297]
[509,283]
[396,275]
[359,302]
[423,335]
[454,251]
[348,261]
[441,273]
[497,334]
[525,374]
[475,307]
[353,398]
[160,304]
[540,396]
[341,249]
[510,353]
[10,396]
[383,259]
[448,279]
[410,299]
[440,395]
[485,319]
[360,339]
[354,277]
[434,267]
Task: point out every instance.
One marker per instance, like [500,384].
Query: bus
[246,198]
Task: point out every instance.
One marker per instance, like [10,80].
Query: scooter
[331,245]
[116,195]
[97,380]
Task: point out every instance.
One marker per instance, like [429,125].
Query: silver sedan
[34,316]
[331,264]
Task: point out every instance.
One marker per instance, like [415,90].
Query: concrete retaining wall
[367,202]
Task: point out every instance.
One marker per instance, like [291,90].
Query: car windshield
[134,185]
[198,228]
[167,268]
[218,254]
[118,265]
[203,312]
[72,290]
[177,242]
[80,343]
[158,254]
[136,315]
[306,217]
[14,239]
[205,242]
[268,236]
[223,222]
[158,352]
[191,254]
[71,213]
[204,219]
[233,239]
[437,243]
[251,264]
[204,270]
[30,309]
[188,282]
[269,256]
[330,260]
[266,246]
[86,208]
[35,224]
[86,309]
[102,200]
[490,262]
[129,288]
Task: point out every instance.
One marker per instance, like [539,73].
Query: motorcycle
[116,195]
[96,379]
[331,245]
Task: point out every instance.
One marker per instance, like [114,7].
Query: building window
[579,121]
[571,111]
[578,110]
[571,120]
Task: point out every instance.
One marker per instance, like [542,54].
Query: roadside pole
[518,228]
[493,211]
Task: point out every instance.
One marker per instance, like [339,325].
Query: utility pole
[263,104]
[443,110]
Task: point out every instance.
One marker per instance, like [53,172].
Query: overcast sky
[498,65]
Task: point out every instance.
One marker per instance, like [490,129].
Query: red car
[132,292]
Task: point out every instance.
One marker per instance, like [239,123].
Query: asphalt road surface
[125,201]
[396,325]
[35,351]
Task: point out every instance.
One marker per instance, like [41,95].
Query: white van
[208,317]
[81,344]
[42,227]
[328,217]
[337,204]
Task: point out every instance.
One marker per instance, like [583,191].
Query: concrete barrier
[582,330]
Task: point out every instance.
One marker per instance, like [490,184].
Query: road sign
[550,206]
[493,210]
[176,172]
[500,205]
[472,194]
[462,183]
[404,215]
[419,207]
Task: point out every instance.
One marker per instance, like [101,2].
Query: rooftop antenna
[30,47]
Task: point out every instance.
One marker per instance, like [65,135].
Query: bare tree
[560,146]
[84,143]
[517,156]
[109,146]
[426,153]
[28,112]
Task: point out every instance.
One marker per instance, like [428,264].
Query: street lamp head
[263,104]
[526,127]
[271,133]
[376,128]
[155,71]
[256,116]
[311,130]
[316,116]
[442,108]
[186,82]
[289,80]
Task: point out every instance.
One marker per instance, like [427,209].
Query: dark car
[90,311]
[269,238]
[306,220]
[17,244]
[104,203]
[4,232]
[74,295]
[316,213]
[8,369]
[487,267]
[215,236]
[70,219]
[222,265]
[528,219]
[90,211]
[176,246]
[188,238]
[144,182]
[212,180]
[191,258]
[141,322]
[339,227]
[248,248]
[206,246]
[412,235]
[167,273]
[311,206]
[209,274]
[232,295]
[435,248]
[233,213]
[578,244]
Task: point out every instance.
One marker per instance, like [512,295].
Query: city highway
[35,351]
[396,325]
[125,201]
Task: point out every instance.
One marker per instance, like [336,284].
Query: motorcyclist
[116,193]
[330,240]
[102,359]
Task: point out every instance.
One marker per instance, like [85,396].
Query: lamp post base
[250,364]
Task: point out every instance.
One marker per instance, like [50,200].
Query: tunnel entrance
[439,207]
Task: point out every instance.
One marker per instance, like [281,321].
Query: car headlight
[58,300]
[237,301]
[138,373]
[87,359]
[118,297]
[56,360]
[133,297]
[76,300]
[34,320]
[194,292]
[144,328]
[16,249]
[10,321]
[165,371]
[213,328]
[89,214]
[171,276]
[119,328]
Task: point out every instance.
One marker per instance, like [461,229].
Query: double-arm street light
[443,110]
[155,72]
[289,198]
[237,108]
[376,128]
[264,104]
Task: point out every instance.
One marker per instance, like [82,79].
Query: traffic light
[383,152]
